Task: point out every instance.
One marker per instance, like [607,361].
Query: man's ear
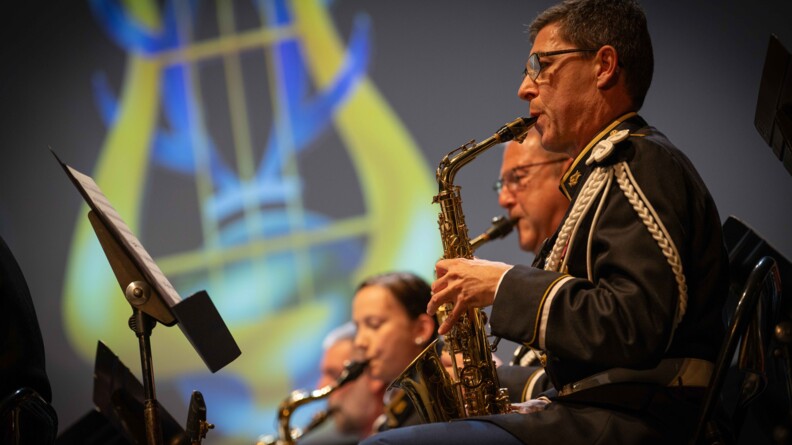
[608,70]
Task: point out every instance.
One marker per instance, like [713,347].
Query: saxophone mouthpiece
[501,226]
[516,129]
[351,371]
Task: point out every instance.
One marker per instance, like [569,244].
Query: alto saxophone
[474,388]
[298,398]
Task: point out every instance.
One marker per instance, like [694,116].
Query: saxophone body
[474,389]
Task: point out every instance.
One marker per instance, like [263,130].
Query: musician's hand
[466,283]
[531,406]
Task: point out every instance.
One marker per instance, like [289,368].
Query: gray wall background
[450,69]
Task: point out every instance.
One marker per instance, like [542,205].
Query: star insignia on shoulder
[573,180]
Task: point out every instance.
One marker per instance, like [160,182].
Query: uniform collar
[571,179]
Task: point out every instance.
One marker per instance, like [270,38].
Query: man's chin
[551,143]
[527,244]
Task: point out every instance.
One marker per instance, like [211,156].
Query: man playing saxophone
[355,407]
[624,303]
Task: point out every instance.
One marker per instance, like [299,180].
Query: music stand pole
[142,324]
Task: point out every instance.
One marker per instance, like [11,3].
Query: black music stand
[117,418]
[773,117]
[152,297]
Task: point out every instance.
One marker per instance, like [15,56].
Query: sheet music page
[103,207]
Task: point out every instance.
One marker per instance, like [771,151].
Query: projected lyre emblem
[209,138]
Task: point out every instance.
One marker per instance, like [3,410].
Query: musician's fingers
[440,284]
[452,317]
[460,307]
[446,325]
[442,266]
[438,299]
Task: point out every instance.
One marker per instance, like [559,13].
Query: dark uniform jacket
[21,345]
[636,273]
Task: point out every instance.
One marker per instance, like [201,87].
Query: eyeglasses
[533,67]
[513,179]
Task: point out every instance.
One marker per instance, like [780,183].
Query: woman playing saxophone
[389,311]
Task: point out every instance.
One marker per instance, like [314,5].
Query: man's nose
[361,342]
[527,90]
[505,198]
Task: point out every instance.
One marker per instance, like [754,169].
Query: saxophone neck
[459,157]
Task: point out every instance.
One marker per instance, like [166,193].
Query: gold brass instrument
[501,226]
[474,388]
[298,398]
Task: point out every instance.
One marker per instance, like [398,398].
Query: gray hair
[595,23]
[345,332]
